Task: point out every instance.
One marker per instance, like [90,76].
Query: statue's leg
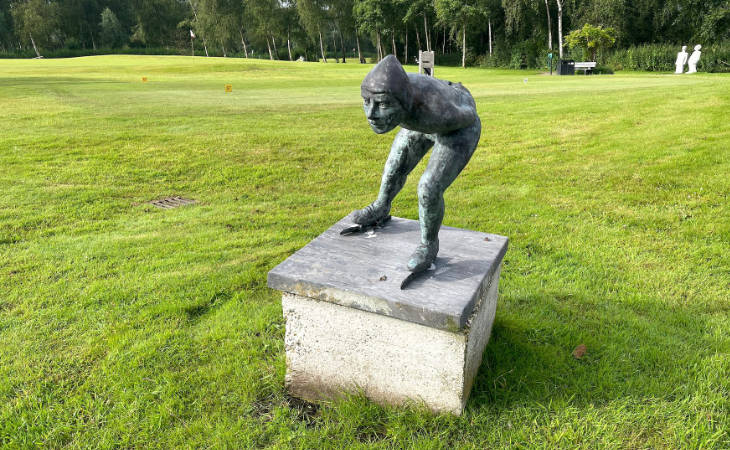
[407,150]
[450,154]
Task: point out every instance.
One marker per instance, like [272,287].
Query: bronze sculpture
[432,113]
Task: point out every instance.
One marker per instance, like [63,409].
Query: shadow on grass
[638,353]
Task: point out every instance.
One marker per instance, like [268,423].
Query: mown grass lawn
[125,325]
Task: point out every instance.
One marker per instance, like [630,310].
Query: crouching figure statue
[432,113]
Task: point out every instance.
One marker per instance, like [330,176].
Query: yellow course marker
[229,88]
[144,79]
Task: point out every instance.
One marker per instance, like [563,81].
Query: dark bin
[566,67]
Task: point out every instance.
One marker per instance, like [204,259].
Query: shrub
[661,57]
[591,39]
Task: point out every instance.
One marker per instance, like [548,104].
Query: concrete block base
[331,348]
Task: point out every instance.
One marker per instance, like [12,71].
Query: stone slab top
[364,271]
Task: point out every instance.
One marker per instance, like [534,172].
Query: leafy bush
[603,70]
[591,39]
[661,57]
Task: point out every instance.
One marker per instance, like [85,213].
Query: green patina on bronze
[432,113]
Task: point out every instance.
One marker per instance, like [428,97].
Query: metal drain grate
[172,202]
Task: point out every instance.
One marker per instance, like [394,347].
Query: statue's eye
[384,105]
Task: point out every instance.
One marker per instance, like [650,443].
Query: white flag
[192,35]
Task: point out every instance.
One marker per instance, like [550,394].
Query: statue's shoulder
[427,81]
[425,85]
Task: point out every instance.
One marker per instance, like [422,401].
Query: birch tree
[370,17]
[560,26]
[313,17]
[35,22]
[457,14]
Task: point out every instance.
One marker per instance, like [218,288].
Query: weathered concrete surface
[332,348]
[364,271]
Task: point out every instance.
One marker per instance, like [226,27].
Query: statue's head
[386,95]
[684,48]
[698,47]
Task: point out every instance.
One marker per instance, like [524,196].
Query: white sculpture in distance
[681,60]
[694,59]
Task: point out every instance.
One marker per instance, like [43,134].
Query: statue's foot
[423,257]
[370,215]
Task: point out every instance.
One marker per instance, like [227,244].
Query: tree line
[503,30]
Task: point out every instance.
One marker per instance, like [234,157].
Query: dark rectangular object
[566,67]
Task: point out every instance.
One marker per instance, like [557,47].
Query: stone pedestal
[349,326]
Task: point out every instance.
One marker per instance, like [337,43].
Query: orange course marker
[144,79]
[229,88]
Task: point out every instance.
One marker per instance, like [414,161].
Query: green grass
[123,325]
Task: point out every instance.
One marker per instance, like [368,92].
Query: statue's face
[383,111]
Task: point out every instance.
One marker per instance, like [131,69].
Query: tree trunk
[321,48]
[243,41]
[359,53]
[550,27]
[443,46]
[463,46]
[205,46]
[392,42]
[377,42]
[342,46]
[288,44]
[418,39]
[276,51]
[560,27]
[34,47]
[490,37]
[405,56]
[425,32]
[334,47]
[268,46]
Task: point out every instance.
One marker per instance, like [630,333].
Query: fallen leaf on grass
[579,351]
